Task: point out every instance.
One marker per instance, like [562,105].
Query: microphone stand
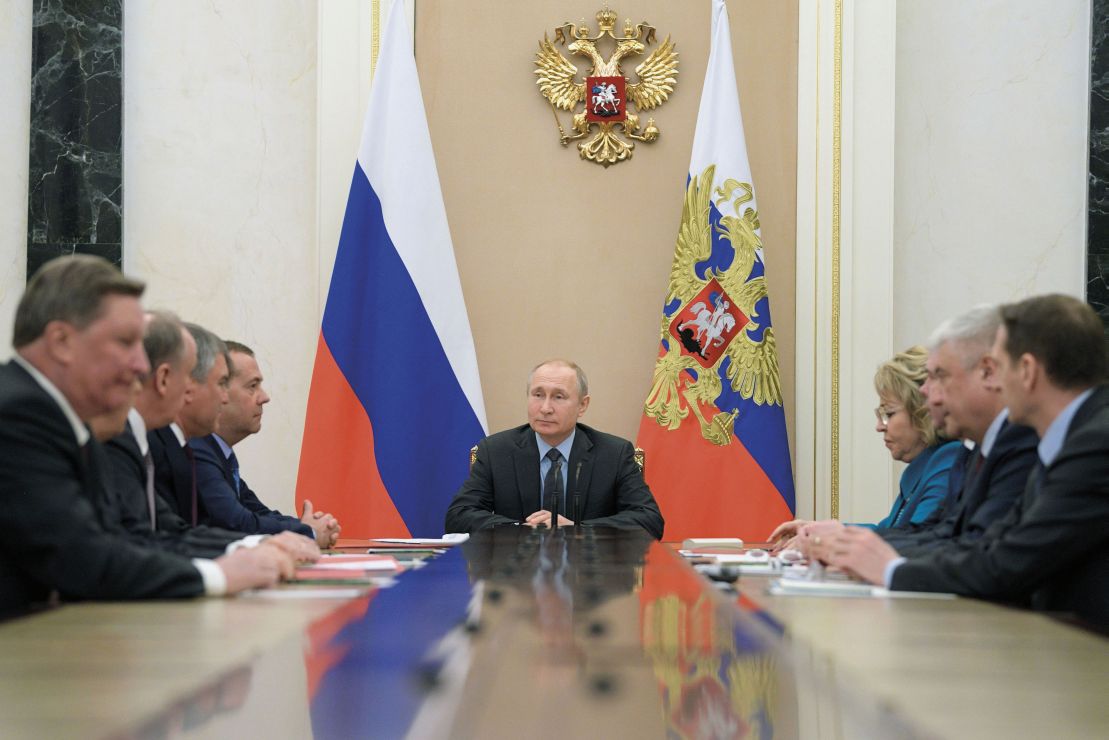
[552,508]
[577,502]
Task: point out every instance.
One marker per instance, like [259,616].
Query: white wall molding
[845,252]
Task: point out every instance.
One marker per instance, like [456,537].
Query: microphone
[552,509]
[577,498]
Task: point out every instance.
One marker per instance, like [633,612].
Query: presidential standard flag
[395,402]
[713,428]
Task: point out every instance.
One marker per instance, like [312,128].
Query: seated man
[225,498]
[205,396]
[171,351]
[963,392]
[965,401]
[78,340]
[590,472]
[1052,549]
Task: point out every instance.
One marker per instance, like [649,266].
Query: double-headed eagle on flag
[711,323]
[605,91]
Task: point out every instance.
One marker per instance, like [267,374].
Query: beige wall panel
[562,257]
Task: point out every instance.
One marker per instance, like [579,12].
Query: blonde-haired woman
[910,436]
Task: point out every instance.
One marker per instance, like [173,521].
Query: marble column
[75,187]
[1097,236]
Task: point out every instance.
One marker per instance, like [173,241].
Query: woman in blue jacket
[911,437]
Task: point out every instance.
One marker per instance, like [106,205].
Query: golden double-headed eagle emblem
[604,91]
[712,325]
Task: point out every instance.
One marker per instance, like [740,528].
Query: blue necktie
[234,461]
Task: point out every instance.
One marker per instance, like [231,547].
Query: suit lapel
[180,471]
[1093,404]
[96,485]
[79,455]
[1098,399]
[1032,487]
[126,440]
[217,453]
[580,470]
[224,463]
[525,460]
[978,471]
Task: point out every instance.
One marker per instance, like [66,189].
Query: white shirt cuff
[891,566]
[251,540]
[215,582]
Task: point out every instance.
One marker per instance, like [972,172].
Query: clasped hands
[858,551]
[542,518]
[325,526]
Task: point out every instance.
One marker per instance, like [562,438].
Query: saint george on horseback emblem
[707,324]
[605,91]
[606,101]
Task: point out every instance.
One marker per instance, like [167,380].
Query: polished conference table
[516,633]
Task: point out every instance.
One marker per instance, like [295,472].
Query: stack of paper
[713,543]
[447,540]
[342,568]
[850,589]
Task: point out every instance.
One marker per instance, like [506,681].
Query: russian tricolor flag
[714,425]
[395,402]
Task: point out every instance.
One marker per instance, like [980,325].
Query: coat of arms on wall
[604,91]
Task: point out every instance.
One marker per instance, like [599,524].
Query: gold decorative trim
[375,34]
[816,270]
[837,118]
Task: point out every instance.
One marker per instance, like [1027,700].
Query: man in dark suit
[225,498]
[171,351]
[1052,549]
[78,341]
[587,474]
[205,396]
[965,400]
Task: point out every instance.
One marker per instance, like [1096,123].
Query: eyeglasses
[883,415]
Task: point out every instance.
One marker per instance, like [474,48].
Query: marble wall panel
[220,164]
[1097,240]
[76,130]
[991,155]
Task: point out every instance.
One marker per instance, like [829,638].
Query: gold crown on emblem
[606,20]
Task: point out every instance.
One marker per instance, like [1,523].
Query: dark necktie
[974,468]
[1038,473]
[148,463]
[552,484]
[192,465]
[234,463]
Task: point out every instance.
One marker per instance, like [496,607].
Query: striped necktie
[234,463]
